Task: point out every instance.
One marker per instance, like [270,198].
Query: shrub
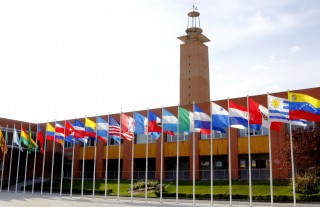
[309,183]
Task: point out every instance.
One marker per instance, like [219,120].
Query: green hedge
[276,198]
[37,187]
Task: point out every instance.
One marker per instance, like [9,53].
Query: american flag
[114,130]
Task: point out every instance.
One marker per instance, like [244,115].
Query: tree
[306,148]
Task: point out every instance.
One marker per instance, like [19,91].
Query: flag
[16,139]
[186,120]
[201,121]
[69,129]
[24,137]
[59,131]
[141,124]
[90,128]
[102,129]
[154,125]
[219,118]
[114,129]
[265,123]
[79,131]
[238,116]
[169,122]
[50,132]
[40,138]
[278,109]
[32,144]
[115,132]
[255,116]
[302,106]
[127,127]
[3,142]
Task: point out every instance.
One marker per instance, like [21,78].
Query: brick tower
[194,63]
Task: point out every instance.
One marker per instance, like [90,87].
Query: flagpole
[14,126]
[83,157]
[270,154]
[292,167]
[249,152]
[119,151]
[106,171]
[34,161]
[193,165]
[132,162]
[229,156]
[177,167]
[211,157]
[73,146]
[94,161]
[161,157]
[146,176]
[4,156]
[62,161]
[52,164]
[17,176]
[26,165]
[44,159]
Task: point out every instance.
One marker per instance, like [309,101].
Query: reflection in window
[142,139]
[182,137]
[254,132]
[215,135]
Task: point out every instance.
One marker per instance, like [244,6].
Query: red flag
[127,127]
[69,129]
[255,114]
[40,139]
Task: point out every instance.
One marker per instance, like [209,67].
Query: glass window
[142,139]
[242,163]
[218,164]
[182,137]
[215,135]
[253,132]
[112,141]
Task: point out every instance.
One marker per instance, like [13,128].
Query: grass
[282,190]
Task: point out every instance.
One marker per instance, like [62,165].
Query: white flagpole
[54,147]
[17,176]
[249,153]
[146,176]
[229,156]
[34,161]
[193,166]
[106,171]
[4,156]
[85,140]
[161,157]
[270,153]
[95,160]
[72,171]
[119,151]
[26,165]
[177,167]
[44,159]
[14,127]
[62,161]
[211,157]
[132,163]
[292,167]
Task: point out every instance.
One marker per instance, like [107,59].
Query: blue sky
[75,58]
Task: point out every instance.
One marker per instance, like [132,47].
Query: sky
[64,59]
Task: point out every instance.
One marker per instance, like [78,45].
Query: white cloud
[294,49]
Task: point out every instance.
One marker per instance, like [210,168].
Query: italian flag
[186,120]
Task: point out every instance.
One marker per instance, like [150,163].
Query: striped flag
[170,123]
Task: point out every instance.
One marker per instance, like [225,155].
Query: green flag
[186,120]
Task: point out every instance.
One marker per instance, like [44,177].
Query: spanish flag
[302,106]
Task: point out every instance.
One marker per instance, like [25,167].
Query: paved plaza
[34,200]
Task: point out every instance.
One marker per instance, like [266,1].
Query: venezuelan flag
[302,106]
